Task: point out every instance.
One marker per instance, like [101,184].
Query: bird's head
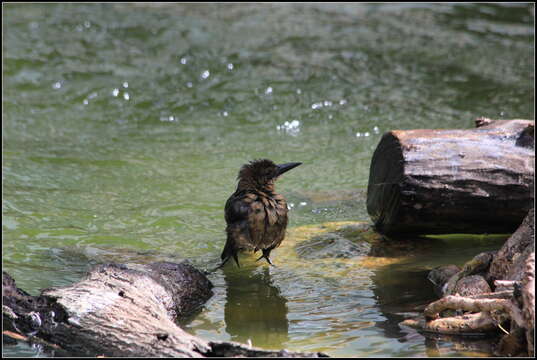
[261,174]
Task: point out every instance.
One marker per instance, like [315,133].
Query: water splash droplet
[170,118]
[291,128]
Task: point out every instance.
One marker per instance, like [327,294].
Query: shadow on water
[398,299]
[254,307]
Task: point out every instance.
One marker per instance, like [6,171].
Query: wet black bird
[256,216]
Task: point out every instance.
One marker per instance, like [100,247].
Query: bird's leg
[263,256]
[236,258]
[220,266]
[266,254]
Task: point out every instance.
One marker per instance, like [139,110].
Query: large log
[120,310]
[453,181]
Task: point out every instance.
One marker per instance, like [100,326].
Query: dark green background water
[124,126]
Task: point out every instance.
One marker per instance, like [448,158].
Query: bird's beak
[286,167]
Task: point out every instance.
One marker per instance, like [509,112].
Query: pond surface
[124,126]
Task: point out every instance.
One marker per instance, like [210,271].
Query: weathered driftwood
[457,325]
[528,303]
[453,181]
[511,306]
[120,310]
[455,302]
[510,261]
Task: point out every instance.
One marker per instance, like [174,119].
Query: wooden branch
[506,294]
[505,283]
[121,310]
[455,302]
[477,323]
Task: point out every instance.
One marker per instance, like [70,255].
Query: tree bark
[453,181]
[510,261]
[120,310]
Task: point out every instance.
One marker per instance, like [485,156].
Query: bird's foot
[267,258]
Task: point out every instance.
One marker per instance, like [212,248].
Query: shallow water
[124,126]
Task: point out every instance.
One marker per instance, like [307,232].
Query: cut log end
[385,176]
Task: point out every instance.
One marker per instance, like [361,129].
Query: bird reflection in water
[255,309]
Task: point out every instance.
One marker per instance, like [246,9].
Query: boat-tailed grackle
[256,216]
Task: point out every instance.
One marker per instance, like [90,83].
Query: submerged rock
[331,245]
[472,285]
[441,275]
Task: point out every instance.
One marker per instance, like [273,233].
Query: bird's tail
[228,252]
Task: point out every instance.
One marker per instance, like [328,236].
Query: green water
[124,126]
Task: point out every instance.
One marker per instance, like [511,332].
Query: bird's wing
[236,210]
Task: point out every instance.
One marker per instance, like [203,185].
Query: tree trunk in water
[119,310]
[453,181]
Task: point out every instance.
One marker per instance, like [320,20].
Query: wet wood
[510,261]
[120,310]
[528,303]
[457,325]
[511,308]
[453,181]
[455,302]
